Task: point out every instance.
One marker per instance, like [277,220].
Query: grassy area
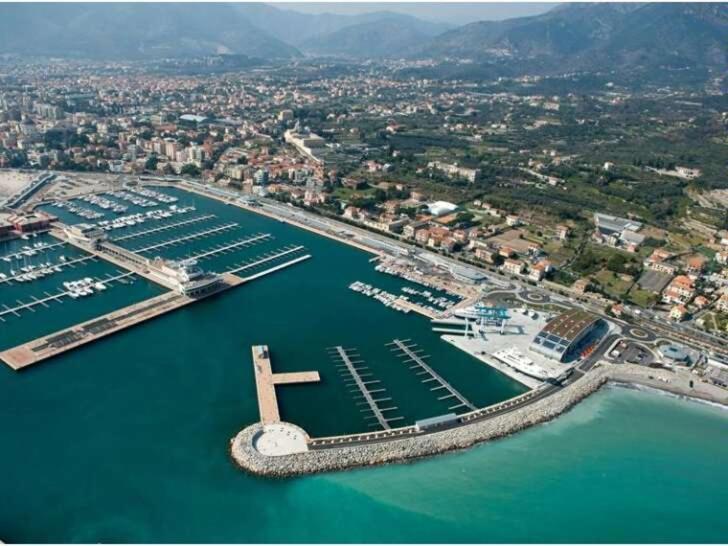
[612,283]
[347,194]
[717,322]
[641,298]
[558,252]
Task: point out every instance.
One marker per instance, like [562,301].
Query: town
[531,185]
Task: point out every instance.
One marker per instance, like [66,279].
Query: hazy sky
[450,12]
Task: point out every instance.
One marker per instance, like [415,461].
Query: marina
[182,281]
[68,291]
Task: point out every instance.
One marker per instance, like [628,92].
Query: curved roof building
[564,334]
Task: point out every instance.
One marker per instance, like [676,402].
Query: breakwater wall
[461,437]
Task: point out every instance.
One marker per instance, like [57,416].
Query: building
[185,276]
[466,274]
[86,234]
[513,267]
[678,312]
[33,221]
[486,254]
[6,226]
[438,208]
[562,232]
[261,177]
[305,142]
[673,353]
[565,335]
[695,265]
[617,232]
[453,170]
[657,261]
[680,290]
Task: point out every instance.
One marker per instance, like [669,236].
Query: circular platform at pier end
[281,439]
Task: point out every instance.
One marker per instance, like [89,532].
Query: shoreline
[454,439]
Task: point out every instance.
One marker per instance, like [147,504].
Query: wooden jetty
[266,381]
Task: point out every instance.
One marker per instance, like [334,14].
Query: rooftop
[569,325]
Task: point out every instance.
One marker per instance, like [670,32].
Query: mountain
[596,36]
[133,31]
[384,35]
[297,28]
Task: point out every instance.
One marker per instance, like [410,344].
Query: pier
[64,340]
[192,236]
[268,257]
[165,227]
[359,378]
[415,357]
[57,297]
[266,381]
[229,247]
[68,263]
[419,309]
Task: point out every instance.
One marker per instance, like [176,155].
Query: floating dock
[266,381]
[349,360]
[414,356]
[165,227]
[190,237]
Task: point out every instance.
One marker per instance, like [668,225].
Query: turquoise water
[622,467]
[126,439]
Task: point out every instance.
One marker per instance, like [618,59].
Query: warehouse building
[566,335]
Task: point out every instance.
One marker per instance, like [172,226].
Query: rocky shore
[399,450]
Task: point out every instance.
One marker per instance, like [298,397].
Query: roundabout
[535,297]
[639,333]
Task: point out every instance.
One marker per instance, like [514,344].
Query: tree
[190,169]
[151,163]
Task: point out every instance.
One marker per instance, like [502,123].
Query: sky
[449,12]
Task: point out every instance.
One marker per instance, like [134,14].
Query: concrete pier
[266,381]
[70,338]
[419,309]
[64,340]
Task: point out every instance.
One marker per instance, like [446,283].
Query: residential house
[680,290]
